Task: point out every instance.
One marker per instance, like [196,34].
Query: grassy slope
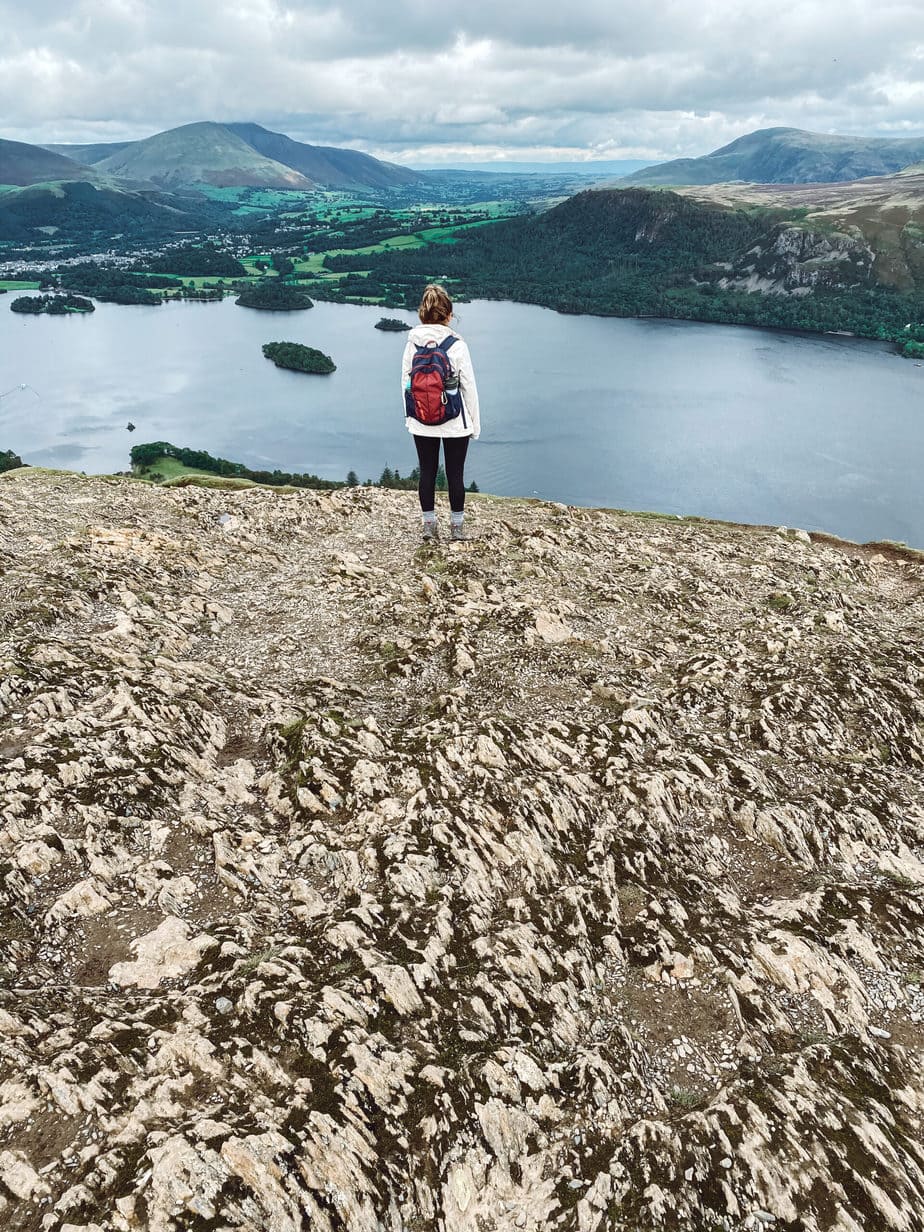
[170,469]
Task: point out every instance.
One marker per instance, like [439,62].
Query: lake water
[820,432]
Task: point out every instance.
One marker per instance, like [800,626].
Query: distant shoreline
[846,335]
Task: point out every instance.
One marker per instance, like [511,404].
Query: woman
[441,404]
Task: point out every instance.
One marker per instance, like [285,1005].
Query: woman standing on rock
[441,404]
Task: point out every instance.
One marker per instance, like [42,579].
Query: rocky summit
[568,877]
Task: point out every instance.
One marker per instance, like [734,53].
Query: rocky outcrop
[796,261]
[866,232]
[568,877]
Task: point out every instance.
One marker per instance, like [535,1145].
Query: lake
[824,433]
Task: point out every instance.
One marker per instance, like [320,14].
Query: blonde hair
[435,306]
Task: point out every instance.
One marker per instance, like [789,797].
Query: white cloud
[664,79]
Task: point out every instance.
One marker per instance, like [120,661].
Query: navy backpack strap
[447,343]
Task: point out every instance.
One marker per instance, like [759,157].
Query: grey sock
[429,516]
[455,519]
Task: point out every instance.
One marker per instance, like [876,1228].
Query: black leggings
[428,454]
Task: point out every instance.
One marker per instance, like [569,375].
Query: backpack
[432,396]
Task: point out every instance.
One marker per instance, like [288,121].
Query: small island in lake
[299,358]
[274,296]
[55,305]
[392,325]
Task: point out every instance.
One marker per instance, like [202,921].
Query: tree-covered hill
[274,296]
[88,214]
[603,251]
[197,261]
[644,252]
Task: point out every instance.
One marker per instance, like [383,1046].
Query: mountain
[787,156]
[90,153]
[568,878]
[22,164]
[203,153]
[326,165]
[49,194]
[231,155]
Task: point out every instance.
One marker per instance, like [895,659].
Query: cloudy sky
[426,83]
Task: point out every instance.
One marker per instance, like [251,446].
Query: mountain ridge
[786,155]
[170,157]
[331,166]
[89,153]
[22,165]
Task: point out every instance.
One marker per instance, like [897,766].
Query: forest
[52,305]
[274,296]
[111,285]
[632,253]
[144,459]
[299,358]
[88,218]
[195,261]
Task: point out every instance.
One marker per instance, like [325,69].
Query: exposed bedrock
[568,877]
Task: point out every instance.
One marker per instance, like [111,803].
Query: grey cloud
[667,78]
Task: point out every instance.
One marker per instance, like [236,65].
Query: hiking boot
[431,532]
[456,534]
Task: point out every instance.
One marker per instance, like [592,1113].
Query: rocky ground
[569,877]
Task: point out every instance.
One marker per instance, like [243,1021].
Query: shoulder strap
[447,342]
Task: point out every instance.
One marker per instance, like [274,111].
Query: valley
[845,256]
[392,847]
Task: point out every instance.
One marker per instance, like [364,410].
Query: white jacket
[461,362]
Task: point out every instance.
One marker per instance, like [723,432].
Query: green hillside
[238,155]
[200,153]
[89,154]
[327,165]
[84,214]
[22,165]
